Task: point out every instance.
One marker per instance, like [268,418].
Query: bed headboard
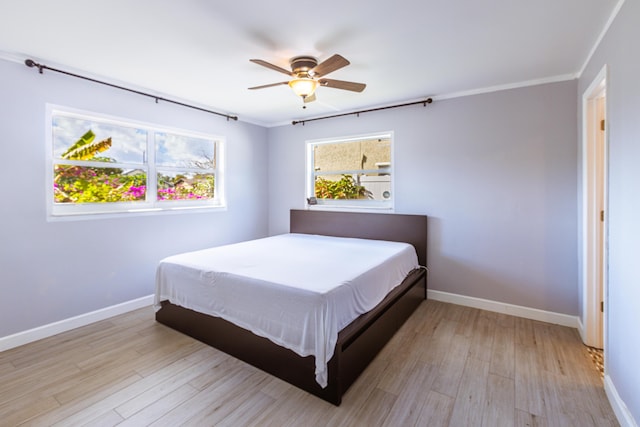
[380,226]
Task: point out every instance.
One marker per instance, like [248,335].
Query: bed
[325,372]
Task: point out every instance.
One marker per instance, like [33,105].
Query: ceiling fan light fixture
[307,75]
[303,86]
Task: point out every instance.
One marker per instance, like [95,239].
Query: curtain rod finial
[31,63]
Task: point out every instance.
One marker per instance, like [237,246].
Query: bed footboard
[357,344]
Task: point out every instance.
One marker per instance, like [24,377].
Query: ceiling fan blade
[329,65]
[271,66]
[310,98]
[341,84]
[269,85]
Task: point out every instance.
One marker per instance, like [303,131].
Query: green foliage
[85,148]
[84,184]
[344,188]
[201,186]
[81,184]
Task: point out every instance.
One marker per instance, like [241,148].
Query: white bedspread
[297,290]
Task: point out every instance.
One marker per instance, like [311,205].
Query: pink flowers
[166,194]
[178,193]
[136,193]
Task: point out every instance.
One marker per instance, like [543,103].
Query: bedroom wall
[51,271]
[495,173]
[618,50]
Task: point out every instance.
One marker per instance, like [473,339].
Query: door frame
[594,255]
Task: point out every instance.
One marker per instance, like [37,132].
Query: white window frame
[78,211]
[346,204]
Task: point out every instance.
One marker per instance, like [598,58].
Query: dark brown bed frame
[358,343]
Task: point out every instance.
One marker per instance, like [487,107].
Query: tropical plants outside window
[106,165]
[351,171]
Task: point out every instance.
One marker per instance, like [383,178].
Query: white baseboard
[55,328]
[619,407]
[582,331]
[501,307]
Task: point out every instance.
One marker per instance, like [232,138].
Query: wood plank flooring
[448,366]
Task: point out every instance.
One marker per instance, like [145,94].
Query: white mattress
[297,290]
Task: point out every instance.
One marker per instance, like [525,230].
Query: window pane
[103,165]
[185,186]
[85,139]
[82,184]
[367,154]
[185,151]
[340,187]
[353,169]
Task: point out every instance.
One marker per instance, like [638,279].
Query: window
[103,165]
[351,172]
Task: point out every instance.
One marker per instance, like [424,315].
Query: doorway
[594,213]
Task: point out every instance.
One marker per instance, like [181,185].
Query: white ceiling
[404,50]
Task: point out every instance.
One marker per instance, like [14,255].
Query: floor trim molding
[619,407]
[35,334]
[582,331]
[501,307]
[51,329]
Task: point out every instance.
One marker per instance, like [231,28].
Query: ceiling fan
[307,75]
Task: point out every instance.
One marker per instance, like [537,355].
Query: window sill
[134,213]
[352,208]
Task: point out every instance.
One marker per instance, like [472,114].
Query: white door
[594,213]
[600,191]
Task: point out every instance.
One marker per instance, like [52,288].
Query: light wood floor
[448,366]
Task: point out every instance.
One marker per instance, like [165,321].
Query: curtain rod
[357,113]
[31,63]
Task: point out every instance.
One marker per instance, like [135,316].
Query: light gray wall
[619,51]
[495,173]
[50,271]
